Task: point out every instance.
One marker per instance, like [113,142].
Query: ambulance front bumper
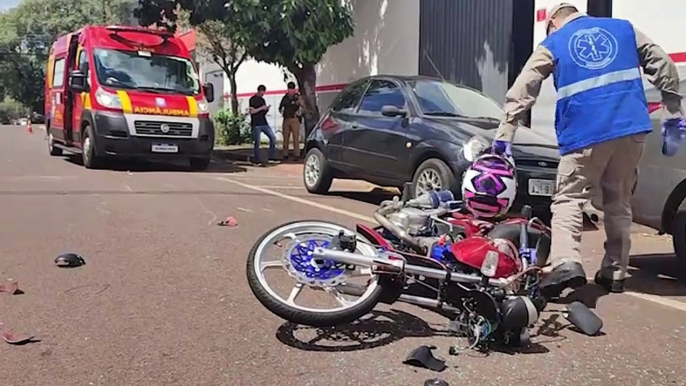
[114,138]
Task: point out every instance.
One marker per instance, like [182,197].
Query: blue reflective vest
[600,94]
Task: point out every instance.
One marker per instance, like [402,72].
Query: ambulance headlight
[203,107]
[106,99]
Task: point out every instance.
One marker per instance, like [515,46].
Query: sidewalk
[244,153]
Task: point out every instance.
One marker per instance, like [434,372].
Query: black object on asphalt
[583,318]
[436,382]
[69,260]
[423,357]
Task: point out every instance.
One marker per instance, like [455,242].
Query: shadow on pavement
[377,329]
[381,328]
[374,197]
[142,165]
[656,274]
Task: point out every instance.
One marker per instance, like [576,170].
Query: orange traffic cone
[28,127]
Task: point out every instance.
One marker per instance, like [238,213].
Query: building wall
[386,40]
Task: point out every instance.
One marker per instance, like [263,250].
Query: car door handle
[355,126]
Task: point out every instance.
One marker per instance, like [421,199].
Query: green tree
[27,32]
[294,34]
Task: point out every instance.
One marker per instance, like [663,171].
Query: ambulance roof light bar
[117,29]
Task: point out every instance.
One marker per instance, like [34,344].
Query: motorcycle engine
[411,220]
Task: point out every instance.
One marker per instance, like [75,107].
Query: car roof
[406,78]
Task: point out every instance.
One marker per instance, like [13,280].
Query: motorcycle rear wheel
[304,315]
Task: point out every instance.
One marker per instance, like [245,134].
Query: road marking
[651,298]
[299,200]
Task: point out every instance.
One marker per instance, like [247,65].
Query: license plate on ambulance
[541,187]
[164,148]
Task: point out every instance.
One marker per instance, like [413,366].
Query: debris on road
[436,382]
[17,339]
[229,222]
[423,357]
[11,287]
[583,318]
[69,260]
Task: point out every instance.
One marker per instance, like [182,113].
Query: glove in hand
[673,133]
[502,147]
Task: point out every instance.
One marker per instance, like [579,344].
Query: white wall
[386,41]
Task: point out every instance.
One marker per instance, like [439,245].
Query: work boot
[614,286]
[569,274]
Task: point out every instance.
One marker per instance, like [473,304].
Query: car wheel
[200,163]
[679,236]
[54,151]
[89,158]
[317,174]
[433,174]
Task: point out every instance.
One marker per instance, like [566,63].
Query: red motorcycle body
[472,253]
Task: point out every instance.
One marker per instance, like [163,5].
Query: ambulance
[114,92]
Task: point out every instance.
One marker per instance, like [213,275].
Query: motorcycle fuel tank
[472,252]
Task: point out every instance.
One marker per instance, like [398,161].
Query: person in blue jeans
[258,122]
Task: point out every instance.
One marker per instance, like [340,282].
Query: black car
[389,130]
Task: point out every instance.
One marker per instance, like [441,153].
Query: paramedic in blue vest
[601,122]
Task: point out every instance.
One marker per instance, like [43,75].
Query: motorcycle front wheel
[298,239]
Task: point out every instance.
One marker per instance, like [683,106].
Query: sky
[7,4]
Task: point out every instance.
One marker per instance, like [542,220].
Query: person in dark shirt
[290,109]
[258,122]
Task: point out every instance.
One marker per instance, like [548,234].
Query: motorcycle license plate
[164,148]
[541,187]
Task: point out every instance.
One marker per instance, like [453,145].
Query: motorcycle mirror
[490,264]
[583,318]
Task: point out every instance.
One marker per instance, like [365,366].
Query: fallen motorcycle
[425,252]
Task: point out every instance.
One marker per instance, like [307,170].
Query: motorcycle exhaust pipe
[379,216]
[399,267]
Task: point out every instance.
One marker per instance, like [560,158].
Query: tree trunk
[307,83]
[234,89]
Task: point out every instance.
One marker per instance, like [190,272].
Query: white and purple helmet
[489,186]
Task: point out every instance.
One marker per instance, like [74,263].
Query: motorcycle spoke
[294,293]
[270,264]
[339,297]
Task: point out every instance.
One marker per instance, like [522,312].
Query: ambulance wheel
[200,163]
[88,156]
[54,151]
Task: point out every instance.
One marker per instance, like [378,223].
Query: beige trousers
[610,166]
[291,126]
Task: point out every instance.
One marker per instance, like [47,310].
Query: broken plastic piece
[12,338]
[583,318]
[229,222]
[11,287]
[423,357]
[436,382]
[69,260]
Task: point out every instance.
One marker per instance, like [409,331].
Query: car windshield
[146,71]
[446,99]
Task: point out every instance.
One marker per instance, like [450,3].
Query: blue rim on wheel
[302,260]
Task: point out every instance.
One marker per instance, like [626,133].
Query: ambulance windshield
[146,71]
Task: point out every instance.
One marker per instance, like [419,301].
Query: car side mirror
[208,89]
[78,81]
[392,111]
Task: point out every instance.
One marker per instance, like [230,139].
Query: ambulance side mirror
[208,89]
[78,81]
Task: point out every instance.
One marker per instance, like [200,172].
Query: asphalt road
[163,298]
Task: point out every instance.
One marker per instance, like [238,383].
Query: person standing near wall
[290,108]
[258,122]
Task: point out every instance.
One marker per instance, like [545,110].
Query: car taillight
[652,106]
